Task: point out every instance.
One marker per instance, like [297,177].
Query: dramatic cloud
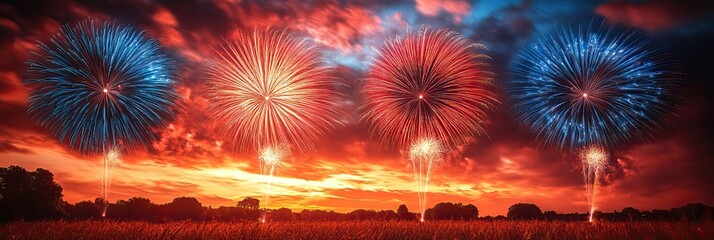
[655,15]
[7,146]
[456,8]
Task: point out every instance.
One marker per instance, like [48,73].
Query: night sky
[348,169]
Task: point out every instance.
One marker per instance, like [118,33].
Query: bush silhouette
[524,211]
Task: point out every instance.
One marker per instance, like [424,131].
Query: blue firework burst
[589,87]
[95,86]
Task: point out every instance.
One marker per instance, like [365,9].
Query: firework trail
[581,88]
[594,160]
[423,155]
[270,157]
[271,91]
[111,160]
[98,87]
[427,93]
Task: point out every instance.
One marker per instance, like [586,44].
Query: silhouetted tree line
[35,195]
[689,212]
[452,211]
[182,208]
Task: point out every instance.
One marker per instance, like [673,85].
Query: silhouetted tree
[452,211]
[524,211]
[116,210]
[662,215]
[282,214]
[184,208]
[139,208]
[631,213]
[404,213]
[550,215]
[386,215]
[249,203]
[470,212]
[84,210]
[694,212]
[361,214]
[29,195]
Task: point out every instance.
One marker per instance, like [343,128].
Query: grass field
[356,230]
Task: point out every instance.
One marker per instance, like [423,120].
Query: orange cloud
[11,88]
[168,31]
[339,27]
[329,22]
[457,8]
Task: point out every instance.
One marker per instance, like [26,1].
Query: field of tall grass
[356,230]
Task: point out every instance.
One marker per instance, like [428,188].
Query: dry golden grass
[356,230]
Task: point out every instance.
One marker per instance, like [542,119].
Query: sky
[348,169]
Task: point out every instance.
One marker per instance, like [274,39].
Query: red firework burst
[270,88]
[428,84]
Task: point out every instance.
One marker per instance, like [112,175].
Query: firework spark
[594,161]
[270,158]
[269,88]
[427,85]
[97,87]
[423,154]
[590,88]
[574,89]
[109,161]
